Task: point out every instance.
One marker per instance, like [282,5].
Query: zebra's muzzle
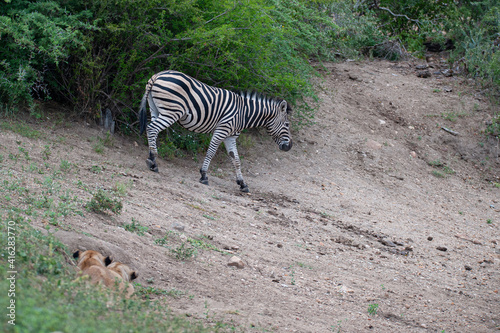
[286,146]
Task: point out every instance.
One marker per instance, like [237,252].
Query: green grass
[136,227]
[149,291]
[372,309]
[183,252]
[102,202]
[21,128]
[47,296]
[163,241]
[120,189]
[453,116]
[47,299]
[65,166]
[444,170]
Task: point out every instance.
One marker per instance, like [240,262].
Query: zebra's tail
[143,117]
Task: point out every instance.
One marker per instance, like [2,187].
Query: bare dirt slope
[377,220]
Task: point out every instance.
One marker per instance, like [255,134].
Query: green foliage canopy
[99,54]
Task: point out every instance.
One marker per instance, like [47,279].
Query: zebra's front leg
[204,178]
[230,144]
[217,137]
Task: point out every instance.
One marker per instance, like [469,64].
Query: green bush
[101,202]
[477,31]
[100,54]
[36,36]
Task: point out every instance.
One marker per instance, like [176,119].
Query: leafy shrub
[100,54]
[136,227]
[36,36]
[183,252]
[102,201]
[494,128]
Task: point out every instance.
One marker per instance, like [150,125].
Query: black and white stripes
[175,97]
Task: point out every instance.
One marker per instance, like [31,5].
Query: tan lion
[101,270]
[125,273]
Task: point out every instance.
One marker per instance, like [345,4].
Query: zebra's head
[279,126]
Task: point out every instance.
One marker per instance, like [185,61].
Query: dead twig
[399,15]
[449,131]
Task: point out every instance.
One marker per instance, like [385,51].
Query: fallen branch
[399,15]
[449,131]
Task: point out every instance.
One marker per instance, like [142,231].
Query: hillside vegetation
[98,55]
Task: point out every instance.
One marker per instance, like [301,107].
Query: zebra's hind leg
[158,123]
[230,143]
[151,162]
[204,178]
[243,186]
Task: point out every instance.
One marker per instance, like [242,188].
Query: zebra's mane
[258,96]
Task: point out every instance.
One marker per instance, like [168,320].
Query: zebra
[176,97]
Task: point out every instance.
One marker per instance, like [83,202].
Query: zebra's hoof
[244,189]
[152,165]
[204,181]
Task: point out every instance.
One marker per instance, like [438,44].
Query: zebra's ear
[283,106]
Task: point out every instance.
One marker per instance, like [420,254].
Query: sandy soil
[377,220]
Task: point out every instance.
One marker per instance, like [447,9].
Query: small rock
[183,238]
[178,226]
[424,74]
[468,268]
[413,154]
[387,243]
[373,145]
[430,238]
[442,248]
[343,289]
[231,247]
[382,122]
[353,77]
[279,245]
[447,72]
[421,67]
[237,262]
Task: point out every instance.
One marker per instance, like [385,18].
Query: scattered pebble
[373,145]
[442,248]
[178,226]
[387,243]
[424,74]
[468,268]
[236,262]
[430,238]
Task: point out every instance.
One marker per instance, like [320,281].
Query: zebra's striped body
[176,97]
